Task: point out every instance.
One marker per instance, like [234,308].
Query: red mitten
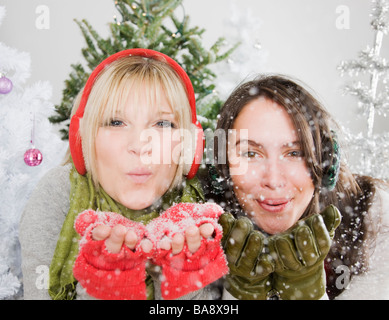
[106,275]
[186,272]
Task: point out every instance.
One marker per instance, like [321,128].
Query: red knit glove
[186,272]
[106,275]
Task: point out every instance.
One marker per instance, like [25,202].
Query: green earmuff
[331,173]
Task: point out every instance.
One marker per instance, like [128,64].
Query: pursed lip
[139,175]
[274,205]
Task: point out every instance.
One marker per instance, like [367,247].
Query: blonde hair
[124,77]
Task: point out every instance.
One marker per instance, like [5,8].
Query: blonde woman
[106,222]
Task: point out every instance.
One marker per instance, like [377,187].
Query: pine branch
[380,15]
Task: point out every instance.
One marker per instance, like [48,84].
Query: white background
[300,38]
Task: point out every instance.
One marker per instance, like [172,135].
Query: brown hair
[312,122]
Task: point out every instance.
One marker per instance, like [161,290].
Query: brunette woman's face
[275,188]
[136,153]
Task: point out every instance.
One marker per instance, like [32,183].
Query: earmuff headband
[74,138]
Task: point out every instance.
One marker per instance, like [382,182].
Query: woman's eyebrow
[259,145]
[292,144]
[166,115]
[249,142]
[118,113]
[162,113]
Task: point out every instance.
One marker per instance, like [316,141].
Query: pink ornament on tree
[5,84]
[33,157]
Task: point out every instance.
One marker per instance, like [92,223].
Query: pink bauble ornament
[33,157]
[5,85]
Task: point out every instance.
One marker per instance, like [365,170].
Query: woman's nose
[139,142]
[273,174]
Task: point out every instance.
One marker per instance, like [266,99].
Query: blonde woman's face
[137,153]
[276,187]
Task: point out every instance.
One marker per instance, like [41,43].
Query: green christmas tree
[150,24]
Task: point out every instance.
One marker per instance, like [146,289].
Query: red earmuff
[75,142]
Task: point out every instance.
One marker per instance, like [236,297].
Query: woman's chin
[137,203]
[273,225]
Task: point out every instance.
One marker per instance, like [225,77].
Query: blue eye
[165,124]
[115,123]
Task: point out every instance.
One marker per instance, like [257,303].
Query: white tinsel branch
[368,62]
[367,156]
[380,15]
[366,99]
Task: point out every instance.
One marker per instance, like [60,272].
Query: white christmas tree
[246,61]
[249,58]
[18,106]
[373,99]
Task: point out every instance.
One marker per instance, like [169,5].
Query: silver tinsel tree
[373,99]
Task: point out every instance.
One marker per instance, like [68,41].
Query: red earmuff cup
[76,146]
[198,156]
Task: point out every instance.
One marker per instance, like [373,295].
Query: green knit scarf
[83,196]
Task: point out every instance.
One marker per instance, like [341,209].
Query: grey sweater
[39,229]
